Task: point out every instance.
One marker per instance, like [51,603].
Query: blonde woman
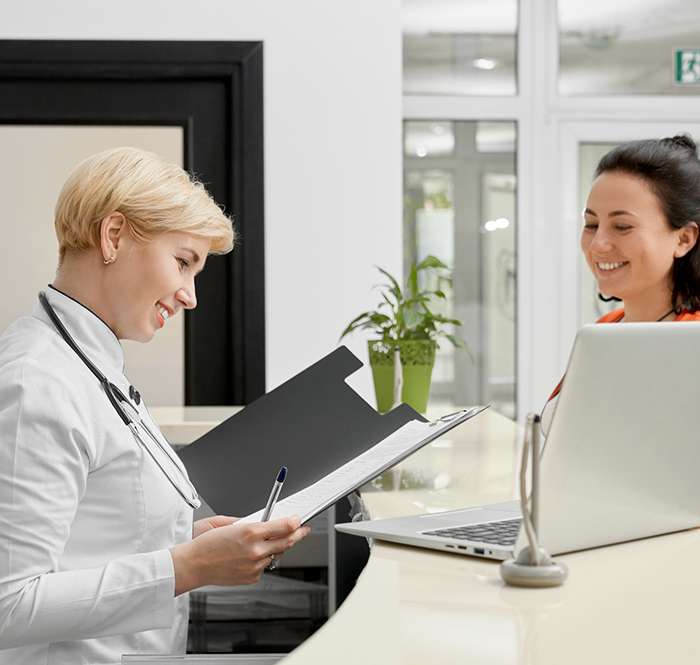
[97,544]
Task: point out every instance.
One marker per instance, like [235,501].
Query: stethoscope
[127,412]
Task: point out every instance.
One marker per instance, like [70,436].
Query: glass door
[460,194]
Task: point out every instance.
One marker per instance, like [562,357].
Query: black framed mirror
[214,91]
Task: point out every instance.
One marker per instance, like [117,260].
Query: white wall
[332,144]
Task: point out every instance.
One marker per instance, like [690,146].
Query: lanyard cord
[115,396]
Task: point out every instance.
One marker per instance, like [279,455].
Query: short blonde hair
[154,196]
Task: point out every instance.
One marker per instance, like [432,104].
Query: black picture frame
[214,91]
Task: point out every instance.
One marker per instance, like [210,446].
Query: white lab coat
[86,516]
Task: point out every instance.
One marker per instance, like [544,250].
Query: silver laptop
[621,462]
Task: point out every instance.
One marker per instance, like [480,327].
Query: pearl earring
[110,259]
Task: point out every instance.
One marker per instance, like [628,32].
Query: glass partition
[460,205]
[629,47]
[459,47]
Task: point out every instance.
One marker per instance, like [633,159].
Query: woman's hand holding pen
[226,553]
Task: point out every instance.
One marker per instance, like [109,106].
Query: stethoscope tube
[109,388]
[118,399]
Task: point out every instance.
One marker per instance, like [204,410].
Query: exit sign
[687,66]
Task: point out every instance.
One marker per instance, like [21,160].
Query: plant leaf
[412,318]
[412,282]
[387,301]
[431,261]
[395,289]
[442,319]
[379,319]
[355,323]
[459,343]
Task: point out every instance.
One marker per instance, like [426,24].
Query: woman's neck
[79,278]
[649,310]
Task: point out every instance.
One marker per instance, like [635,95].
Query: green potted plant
[406,322]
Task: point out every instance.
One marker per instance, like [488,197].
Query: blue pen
[276,489]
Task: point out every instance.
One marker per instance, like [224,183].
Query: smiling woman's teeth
[163,311]
[610,266]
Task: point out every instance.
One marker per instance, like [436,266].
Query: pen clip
[448,418]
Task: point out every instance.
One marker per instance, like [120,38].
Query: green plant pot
[417,362]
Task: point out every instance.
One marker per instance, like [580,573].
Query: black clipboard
[345,480]
[312,424]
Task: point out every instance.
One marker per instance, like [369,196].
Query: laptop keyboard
[491,533]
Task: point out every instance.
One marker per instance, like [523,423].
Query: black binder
[312,424]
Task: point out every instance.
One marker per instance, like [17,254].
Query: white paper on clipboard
[315,498]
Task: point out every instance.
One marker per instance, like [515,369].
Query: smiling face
[629,245]
[151,281]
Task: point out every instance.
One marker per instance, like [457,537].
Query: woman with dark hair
[640,233]
[646,197]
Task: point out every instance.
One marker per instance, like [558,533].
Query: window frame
[547,248]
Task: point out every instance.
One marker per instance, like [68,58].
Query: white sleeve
[44,462]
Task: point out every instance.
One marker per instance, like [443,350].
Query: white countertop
[631,603]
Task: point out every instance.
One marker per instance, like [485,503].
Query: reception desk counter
[636,603]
